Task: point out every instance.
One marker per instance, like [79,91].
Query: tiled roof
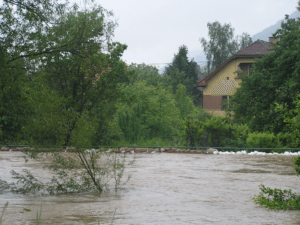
[255,50]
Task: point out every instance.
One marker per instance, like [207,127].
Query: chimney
[273,40]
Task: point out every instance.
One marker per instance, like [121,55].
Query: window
[244,67]
[225,102]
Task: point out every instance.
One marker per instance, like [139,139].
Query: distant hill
[266,33]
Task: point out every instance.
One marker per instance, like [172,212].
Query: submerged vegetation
[75,171]
[277,199]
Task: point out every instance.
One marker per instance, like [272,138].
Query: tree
[85,78]
[183,71]
[61,64]
[48,123]
[12,99]
[37,34]
[22,24]
[142,72]
[147,112]
[275,79]
[222,44]
[244,40]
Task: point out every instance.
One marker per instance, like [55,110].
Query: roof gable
[255,50]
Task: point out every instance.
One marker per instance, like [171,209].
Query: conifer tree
[183,71]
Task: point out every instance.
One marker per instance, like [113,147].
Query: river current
[165,188]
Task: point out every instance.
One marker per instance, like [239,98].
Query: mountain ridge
[269,31]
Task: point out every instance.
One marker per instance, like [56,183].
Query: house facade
[222,83]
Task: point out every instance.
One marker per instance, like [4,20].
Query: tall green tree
[86,77]
[23,24]
[185,72]
[68,48]
[275,79]
[222,44]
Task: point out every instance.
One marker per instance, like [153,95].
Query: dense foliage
[274,79]
[63,83]
[147,112]
[58,64]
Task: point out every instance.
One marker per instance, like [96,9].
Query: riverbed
[165,188]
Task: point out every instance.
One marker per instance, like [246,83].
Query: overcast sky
[154,29]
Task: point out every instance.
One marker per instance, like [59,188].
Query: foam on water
[244,152]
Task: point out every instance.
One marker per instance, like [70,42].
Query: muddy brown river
[165,189]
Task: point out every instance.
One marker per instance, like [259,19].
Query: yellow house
[222,83]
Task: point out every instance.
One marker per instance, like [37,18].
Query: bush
[263,140]
[277,198]
[214,131]
[237,137]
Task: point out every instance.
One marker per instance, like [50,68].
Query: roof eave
[228,61]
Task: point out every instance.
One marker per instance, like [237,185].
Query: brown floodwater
[165,188]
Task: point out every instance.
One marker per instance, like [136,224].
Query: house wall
[219,85]
[212,102]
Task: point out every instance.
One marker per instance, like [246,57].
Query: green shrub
[192,132]
[217,130]
[263,140]
[277,198]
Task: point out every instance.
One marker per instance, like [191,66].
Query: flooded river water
[165,188]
